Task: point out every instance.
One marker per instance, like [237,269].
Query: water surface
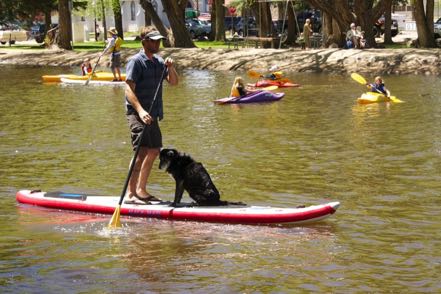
[381,161]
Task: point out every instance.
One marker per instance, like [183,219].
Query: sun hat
[154,35]
[113,31]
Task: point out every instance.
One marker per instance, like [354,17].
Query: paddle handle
[138,146]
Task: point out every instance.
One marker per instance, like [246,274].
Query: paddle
[254,74]
[269,88]
[115,221]
[93,70]
[359,79]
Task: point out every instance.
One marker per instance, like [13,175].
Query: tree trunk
[176,14]
[116,7]
[154,17]
[65,25]
[424,23]
[103,11]
[365,19]
[212,35]
[265,19]
[47,20]
[388,22]
[220,16]
[292,26]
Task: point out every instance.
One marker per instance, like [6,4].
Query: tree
[424,23]
[341,14]
[175,10]
[116,7]
[64,23]
[219,16]
[154,17]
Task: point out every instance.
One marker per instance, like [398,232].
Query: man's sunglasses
[148,39]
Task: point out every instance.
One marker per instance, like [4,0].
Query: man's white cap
[155,35]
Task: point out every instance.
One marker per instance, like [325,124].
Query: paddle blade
[254,74]
[270,88]
[115,221]
[395,99]
[358,78]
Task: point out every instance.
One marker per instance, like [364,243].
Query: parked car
[247,27]
[230,22]
[11,33]
[437,28]
[197,28]
[379,27]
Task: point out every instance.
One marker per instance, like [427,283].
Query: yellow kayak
[98,76]
[373,97]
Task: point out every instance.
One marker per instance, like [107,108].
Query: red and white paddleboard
[218,214]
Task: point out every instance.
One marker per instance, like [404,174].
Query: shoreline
[332,60]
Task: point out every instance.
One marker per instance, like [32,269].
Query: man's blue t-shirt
[146,74]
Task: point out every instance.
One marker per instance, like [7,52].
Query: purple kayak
[259,96]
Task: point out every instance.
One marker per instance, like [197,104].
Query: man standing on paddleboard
[145,73]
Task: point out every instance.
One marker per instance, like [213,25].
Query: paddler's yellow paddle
[254,74]
[359,79]
[270,88]
[115,221]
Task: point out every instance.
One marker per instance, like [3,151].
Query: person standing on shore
[145,72]
[307,32]
[114,47]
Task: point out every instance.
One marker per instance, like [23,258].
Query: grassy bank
[100,45]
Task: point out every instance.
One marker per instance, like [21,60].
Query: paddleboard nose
[334,205]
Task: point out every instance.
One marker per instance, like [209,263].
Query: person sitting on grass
[353,37]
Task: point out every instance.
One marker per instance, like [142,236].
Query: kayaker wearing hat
[114,47]
[145,72]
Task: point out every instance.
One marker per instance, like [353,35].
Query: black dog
[190,176]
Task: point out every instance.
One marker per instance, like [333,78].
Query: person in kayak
[274,73]
[378,86]
[86,67]
[114,47]
[145,72]
[238,89]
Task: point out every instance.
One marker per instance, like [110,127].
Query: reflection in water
[381,161]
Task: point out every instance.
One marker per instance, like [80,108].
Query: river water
[381,161]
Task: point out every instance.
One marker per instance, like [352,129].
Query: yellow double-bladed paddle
[359,79]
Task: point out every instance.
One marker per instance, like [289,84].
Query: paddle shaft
[94,67]
[138,146]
